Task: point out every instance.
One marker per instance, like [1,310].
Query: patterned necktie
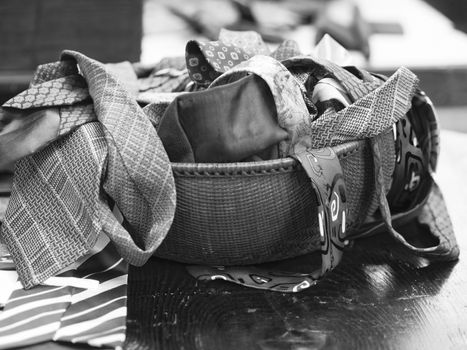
[85,304]
[376,104]
[58,208]
[59,204]
[206,61]
[375,107]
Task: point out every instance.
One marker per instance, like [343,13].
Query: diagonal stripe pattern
[94,316]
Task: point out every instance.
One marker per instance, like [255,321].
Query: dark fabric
[443,245]
[228,123]
[164,80]
[20,136]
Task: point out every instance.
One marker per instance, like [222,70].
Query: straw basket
[254,212]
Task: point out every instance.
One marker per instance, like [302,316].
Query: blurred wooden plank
[35,32]
[446,86]
[17,26]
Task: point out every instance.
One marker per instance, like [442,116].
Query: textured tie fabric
[58,204]
[292,113]
[53,215]
[61,91]
[368,116]
[31,120]
[84,304]
[432,212]
[249,41]
[216,63]
[376,106]
[371,108]
[20,136]
[165,80]
[287,49]
[206,61]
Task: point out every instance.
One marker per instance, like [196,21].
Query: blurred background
[427,36]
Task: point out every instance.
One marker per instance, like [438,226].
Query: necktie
[59,197]
[248,40]
[376,107]
[206,61]
[85,303]
[292,113]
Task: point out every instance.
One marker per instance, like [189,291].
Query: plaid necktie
[58,204]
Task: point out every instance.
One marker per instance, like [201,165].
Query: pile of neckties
[88,144]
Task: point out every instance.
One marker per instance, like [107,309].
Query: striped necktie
[86,303]
[58,209]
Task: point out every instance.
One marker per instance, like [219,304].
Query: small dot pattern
[206,61]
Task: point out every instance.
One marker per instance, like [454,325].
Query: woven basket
[254,212]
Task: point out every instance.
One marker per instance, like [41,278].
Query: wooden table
[376,298]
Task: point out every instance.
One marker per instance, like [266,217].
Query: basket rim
[248,168]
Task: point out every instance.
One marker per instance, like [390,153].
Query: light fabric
[85,303]
[59,197]
[248,40]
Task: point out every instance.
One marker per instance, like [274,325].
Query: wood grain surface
[378,298]
[375,299]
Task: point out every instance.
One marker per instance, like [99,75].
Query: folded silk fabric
[228,123]
[105,147]
[369,116]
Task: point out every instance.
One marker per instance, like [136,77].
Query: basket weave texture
[254,212]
